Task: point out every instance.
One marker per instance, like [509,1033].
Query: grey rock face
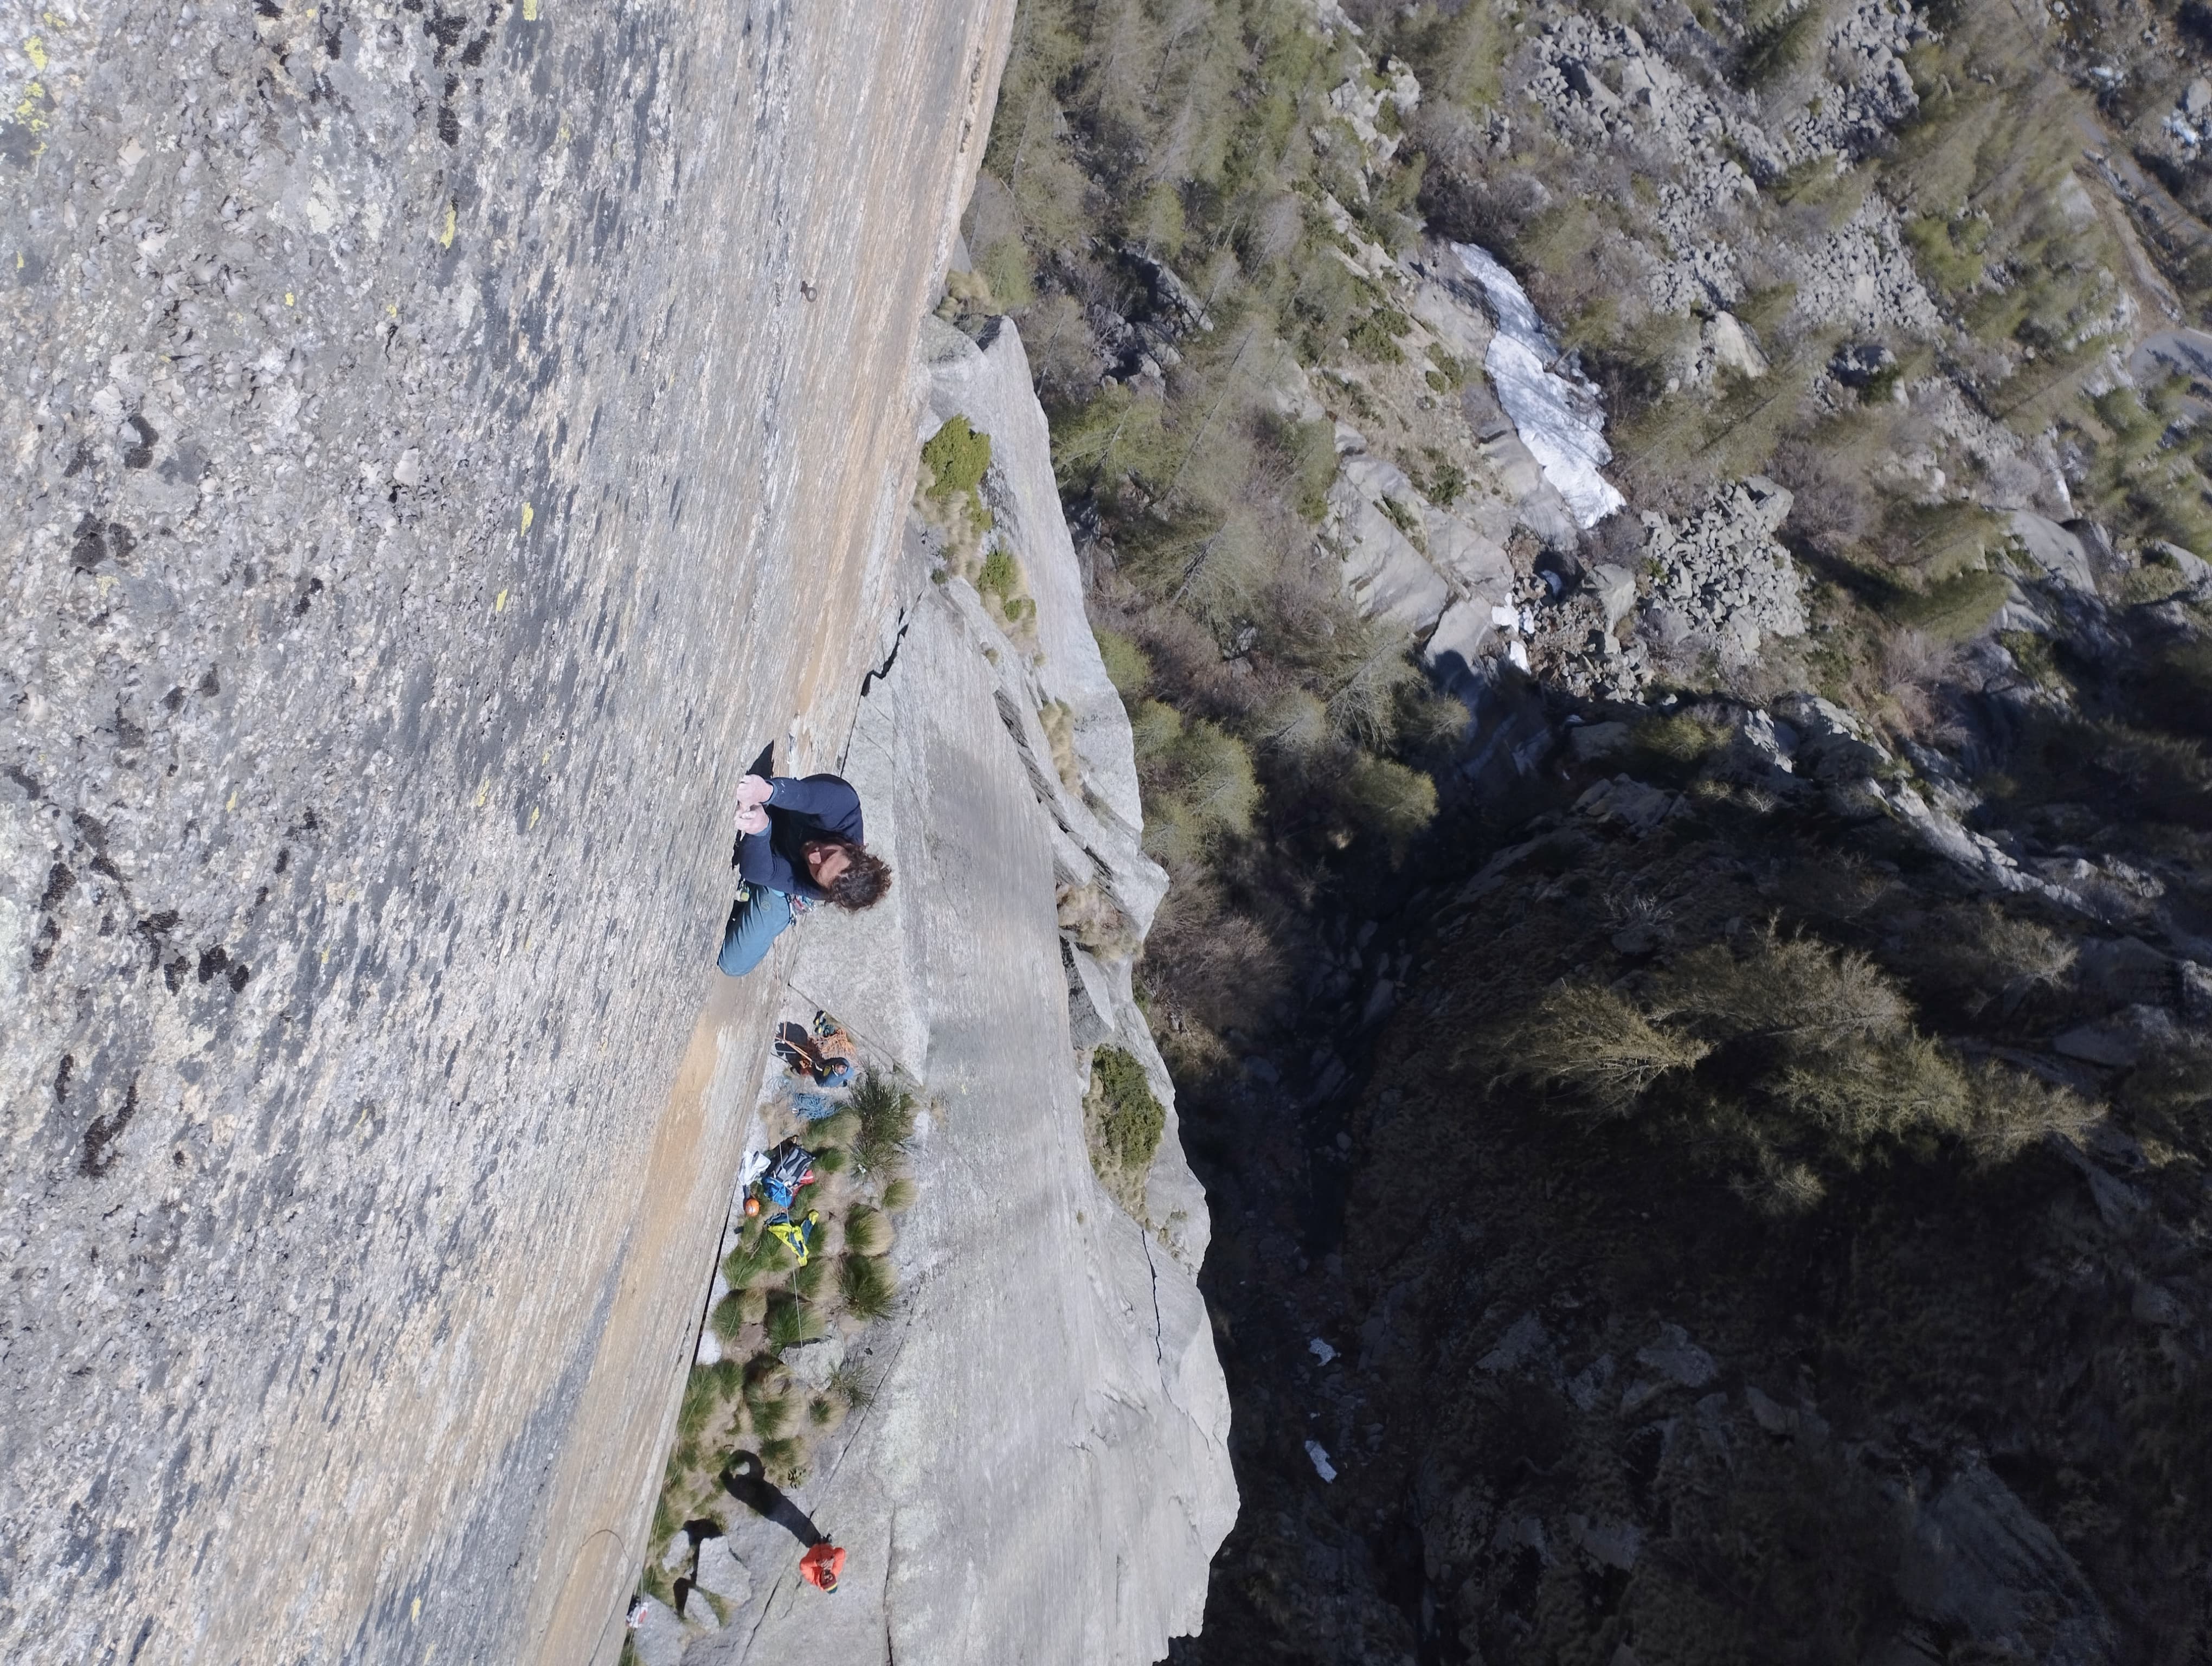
[721,1573]
[1989,1569]
[1043,1474]
[423,423]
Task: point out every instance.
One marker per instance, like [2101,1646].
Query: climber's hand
[754,789]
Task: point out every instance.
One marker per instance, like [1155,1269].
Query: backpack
[790,1167]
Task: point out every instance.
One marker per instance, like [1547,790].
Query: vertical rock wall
[1043,1474]
[447,445]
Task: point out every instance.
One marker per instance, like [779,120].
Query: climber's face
[826,862]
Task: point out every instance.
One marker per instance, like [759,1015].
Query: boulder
[1614,587]
[659,1638]
[1679,1359]
[2057,550]
[814,1363]
[1727,348]
[1859,363]
[722,1573]
[1589,742]
[699,1609]
[2124,970]
[2115,1046]
[1626,800]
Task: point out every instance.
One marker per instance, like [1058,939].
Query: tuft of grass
[849,1382]
[867,1286]
[808,1282]
[784,1460]
[1952,610]
[756,1256]
[790,1322]
[867,1231]
[899,1194]
[728,1317]
[886,1113]
[840,1130]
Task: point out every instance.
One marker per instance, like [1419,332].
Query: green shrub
[1786,1063]
[1130,1118]
[1954,610]
[1000,577]
[1005,266]
[1126,666]
[831,1159]
[1374,337]
[899,1194]
[867,1286]
[1785,986]
[1394,801]
[1596,1046]
[957,458]
[1201,783]
[1778,43]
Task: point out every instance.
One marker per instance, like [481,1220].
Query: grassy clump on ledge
[1122,1123]
[949,494]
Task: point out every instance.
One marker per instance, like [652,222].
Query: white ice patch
[1319,1453]
[1559,421]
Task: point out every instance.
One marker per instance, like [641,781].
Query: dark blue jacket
[814,807]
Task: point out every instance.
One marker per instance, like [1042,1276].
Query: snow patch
[1559,421]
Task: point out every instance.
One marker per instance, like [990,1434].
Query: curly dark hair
[867,878]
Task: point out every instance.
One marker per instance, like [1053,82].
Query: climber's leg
[755,922]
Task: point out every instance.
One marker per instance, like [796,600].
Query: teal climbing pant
[759,918]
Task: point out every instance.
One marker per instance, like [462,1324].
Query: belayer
[799,843]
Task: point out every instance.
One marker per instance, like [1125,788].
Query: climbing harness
[796,1236]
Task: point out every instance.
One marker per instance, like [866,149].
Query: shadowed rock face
[447,445]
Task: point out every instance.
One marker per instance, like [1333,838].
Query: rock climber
[799,843]
[821,1566]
